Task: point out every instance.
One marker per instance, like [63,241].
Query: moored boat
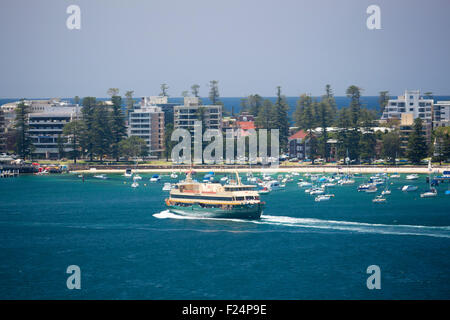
[409,188]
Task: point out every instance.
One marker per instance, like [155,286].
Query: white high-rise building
[148,123]
[410,102]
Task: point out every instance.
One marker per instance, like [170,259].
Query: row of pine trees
[100,130]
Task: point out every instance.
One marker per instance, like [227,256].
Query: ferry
[213,200]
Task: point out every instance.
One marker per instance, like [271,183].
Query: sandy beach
[317,169]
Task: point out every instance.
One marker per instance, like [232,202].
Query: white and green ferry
[213,200]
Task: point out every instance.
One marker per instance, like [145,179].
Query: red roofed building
[246,125]
[298,145]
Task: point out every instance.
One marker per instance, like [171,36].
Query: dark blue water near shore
[129,247]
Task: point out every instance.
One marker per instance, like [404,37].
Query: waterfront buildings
[147,123]
[411,102]
[34,106]
[407,126]
[185,115]
[163,103]
[298,145]
[2,132]
[441,114]
[46,128]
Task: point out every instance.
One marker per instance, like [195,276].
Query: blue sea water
[129,247]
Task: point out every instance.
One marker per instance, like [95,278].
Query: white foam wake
[414,230]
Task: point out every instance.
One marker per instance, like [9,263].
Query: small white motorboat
[379,199]
[384,192]
[317,191]
[371,189]
[304,184]
[173,175]
[412,177]
[409,188]
[101,176]
[429,194]
[346,181]
[167,186]
[137,177]
[155,178]
[394,176]
[322,198]
[128,172]
[329,184]
[135,184]
[224,179]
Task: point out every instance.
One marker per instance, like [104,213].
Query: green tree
[164,88]
[325,119]
[417,146]
[255,102]
[301,118]
[195,88]
[117,125]
[264,118]
[214,92]
[168,143]
[280,119]
[354,93]
[112,92]
[133,147]
[329,98]
[24,146]
[441,137]
[101,133]
[383,100]
[391,148]
[129,101]
[74,131]
[88,110]
[60,142]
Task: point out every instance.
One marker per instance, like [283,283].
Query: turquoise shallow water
[129,247]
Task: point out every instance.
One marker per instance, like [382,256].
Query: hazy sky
[249,46]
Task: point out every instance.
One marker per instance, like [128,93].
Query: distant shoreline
[309,169]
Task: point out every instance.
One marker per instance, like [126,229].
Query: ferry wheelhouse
[233,200]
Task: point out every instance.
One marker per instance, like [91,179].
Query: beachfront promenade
[245,168]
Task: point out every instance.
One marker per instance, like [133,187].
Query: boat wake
[412,230]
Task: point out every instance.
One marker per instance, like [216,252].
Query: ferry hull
[237,212]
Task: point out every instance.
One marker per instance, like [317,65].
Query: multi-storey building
[441,114]
[148,123]
[2,132]
[411,102]
[46,128]
[163,103]
[34,106]
[407,126]
[186,115]
[298,145]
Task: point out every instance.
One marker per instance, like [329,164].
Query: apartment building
[147,123]
[185,115]
[441,114]
[407,126]
[162,102]
[46,127]
[412,103]
[2,132]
